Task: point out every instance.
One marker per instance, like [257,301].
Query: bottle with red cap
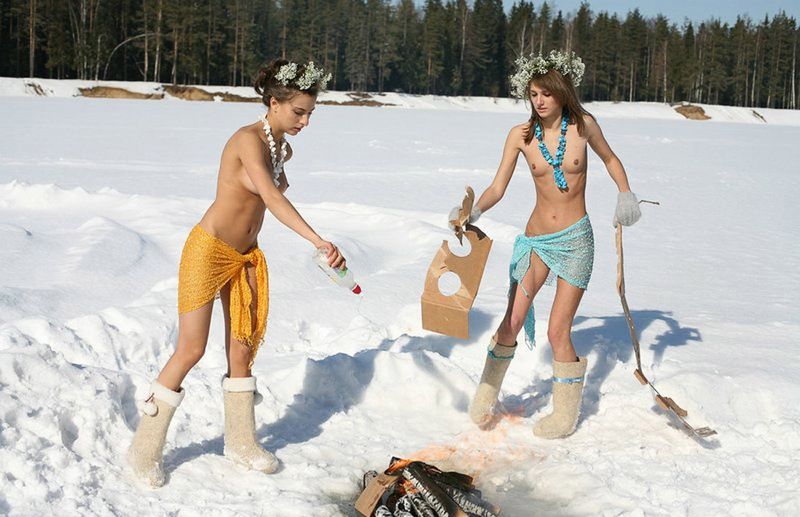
[340,275]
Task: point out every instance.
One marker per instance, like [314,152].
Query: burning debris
[416,489]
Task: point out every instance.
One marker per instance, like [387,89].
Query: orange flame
[476,451]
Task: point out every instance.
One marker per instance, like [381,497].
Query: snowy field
[97,197]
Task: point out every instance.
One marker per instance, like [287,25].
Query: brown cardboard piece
[371,496]
[449,315]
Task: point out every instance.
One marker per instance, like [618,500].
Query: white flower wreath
[311,76]
[567,64]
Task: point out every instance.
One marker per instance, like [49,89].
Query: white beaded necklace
[277,162]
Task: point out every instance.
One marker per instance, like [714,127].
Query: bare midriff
[556,210]
[237,213]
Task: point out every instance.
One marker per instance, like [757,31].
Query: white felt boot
[240,426]
[568,380]
[145,455]
[494,370]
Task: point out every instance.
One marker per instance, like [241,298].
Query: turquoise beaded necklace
[558,174]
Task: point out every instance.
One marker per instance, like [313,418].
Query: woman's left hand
[335,257]
[627,212]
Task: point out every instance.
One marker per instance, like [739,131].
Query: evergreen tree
[442,46]
[489,59]
[521,21]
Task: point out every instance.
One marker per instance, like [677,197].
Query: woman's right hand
[473,216]
[335,257]
[452,217]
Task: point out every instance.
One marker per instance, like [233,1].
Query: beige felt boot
[568,380]
[145,455]
[497,360]
[240,426]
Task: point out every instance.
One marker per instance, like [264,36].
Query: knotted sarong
[568,253]
[207,264]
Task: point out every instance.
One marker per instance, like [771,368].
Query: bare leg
[192,338]
[568,370]
[239,388]
[519,302]
[565,305]
[145,454]
[238,353]
[502,346]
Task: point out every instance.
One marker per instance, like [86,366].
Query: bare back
[556,210]
[237,213]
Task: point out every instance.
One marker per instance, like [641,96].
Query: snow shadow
[338,382]
[611,339]
[334,385]
[179,455]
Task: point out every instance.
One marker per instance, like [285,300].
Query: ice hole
[449,283]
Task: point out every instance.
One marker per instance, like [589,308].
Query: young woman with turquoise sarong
[558,241]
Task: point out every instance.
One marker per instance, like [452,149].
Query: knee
[190,353]
[558,335]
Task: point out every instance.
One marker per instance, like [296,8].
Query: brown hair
[563,90]
[267,86]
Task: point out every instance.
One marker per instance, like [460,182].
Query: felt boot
[497,360]
[240,426]
[145,454]
[568,380]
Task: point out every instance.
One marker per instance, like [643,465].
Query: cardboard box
[449,315]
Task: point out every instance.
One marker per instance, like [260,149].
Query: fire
[476,451]
[398,465]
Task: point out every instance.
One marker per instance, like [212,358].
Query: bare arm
[627,211]
[505,170]
[598,143]
[250,152]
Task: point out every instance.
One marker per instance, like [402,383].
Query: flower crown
[567,64]
[312,76]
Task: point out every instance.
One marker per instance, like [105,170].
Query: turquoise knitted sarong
[568,253]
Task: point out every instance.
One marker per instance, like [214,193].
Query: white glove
[627,211]
[474,215]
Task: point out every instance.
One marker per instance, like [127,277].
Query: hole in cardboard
[449,283]
[459,249]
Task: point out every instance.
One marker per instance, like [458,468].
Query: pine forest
[452,47]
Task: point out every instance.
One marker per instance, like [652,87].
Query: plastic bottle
[340,276]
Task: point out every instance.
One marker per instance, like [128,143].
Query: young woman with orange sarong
[221,256]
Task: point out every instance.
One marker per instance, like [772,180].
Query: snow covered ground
[97,197]
[16,86]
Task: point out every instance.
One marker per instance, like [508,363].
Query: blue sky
[677,10]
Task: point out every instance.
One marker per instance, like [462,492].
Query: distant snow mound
[89,260]
[692,112]
[16,87]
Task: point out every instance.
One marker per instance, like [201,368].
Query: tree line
[451,47]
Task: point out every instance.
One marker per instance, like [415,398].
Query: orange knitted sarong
[207,264]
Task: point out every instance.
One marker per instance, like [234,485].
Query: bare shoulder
[518,133]
[246,137]
[592,127]
[520,129]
